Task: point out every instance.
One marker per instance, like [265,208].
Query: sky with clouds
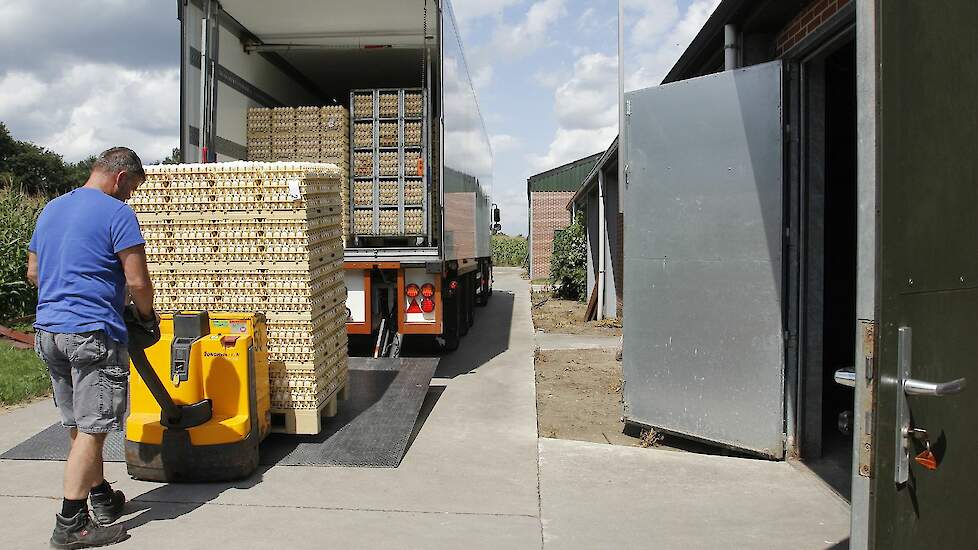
[105,72]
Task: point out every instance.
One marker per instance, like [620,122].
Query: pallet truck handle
[144,334]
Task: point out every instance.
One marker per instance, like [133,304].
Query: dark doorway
[829,306]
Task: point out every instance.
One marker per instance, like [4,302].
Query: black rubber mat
[372,428]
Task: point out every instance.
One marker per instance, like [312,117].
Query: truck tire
[485,285]
[464,297]
[451,333]
[470,310]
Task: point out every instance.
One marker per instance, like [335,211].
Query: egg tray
[389,193]
[413,104]
[310,398]
[388,104]
[413,221]
[363,105]
[388,164]
[363,193]
[412,134]
[388,134]
[413,193]
[363,164]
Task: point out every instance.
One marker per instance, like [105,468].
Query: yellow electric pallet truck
[199,396]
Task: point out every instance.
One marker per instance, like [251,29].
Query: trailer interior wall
[257,82]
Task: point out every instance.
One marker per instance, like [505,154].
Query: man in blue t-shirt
[86,252]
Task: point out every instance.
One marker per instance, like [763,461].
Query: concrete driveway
[476,476]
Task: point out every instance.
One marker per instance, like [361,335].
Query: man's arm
[137,279]
[32,268]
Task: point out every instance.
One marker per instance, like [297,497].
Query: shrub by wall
[568,264]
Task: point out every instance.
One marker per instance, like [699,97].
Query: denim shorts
[90,376]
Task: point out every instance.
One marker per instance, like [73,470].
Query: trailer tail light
[428,290]
[427,305]
[412,291]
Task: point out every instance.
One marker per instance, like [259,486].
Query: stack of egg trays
[278,252]
[303,134]
[388,138]
[259,134]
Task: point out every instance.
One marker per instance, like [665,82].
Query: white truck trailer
[239,54]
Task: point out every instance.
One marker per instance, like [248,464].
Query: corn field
[508,251]
[18,213]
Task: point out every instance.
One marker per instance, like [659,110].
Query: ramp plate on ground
[372,429]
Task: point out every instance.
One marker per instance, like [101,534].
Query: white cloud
[589,99]
[586,102]
[90,107]
[660,35]
[586,105]
[469,10]
[504,143]
[532,33]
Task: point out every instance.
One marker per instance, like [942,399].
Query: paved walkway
[555,341]
[475,477]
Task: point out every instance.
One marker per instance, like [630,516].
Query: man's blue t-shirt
[81,283]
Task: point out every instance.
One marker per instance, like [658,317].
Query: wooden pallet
[307,422]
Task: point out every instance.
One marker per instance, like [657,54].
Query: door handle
[934,389]
[846,377]
[910,386]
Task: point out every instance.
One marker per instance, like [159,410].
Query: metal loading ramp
[372,428]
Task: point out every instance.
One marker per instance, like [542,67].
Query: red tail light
[427,305]
[428,290]
[412,291]
[453,285]
[415,308]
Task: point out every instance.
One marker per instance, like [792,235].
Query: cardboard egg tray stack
[303,134]
[265,238]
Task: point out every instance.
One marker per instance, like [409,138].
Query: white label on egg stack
[294,191]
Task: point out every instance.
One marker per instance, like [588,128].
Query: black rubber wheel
[482,299]
[463,297]
[470,310]
[451,334]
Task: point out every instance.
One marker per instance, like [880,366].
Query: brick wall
[548,212]
[811,17]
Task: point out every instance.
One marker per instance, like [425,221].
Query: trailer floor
[475,476]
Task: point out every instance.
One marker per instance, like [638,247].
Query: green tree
[36,170]
[568,264]
[175,157]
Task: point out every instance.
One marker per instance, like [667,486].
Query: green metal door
[927,272]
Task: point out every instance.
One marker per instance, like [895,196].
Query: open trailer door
[927,254]
[704,348]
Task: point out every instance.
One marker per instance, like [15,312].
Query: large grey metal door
[703,350]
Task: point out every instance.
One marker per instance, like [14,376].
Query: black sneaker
[81,531]
[108,507]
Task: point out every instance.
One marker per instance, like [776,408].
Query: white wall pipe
[731,47]
[602,235]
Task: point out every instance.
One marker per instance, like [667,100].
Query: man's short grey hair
[118,159]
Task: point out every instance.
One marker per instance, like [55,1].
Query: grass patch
[22,376]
